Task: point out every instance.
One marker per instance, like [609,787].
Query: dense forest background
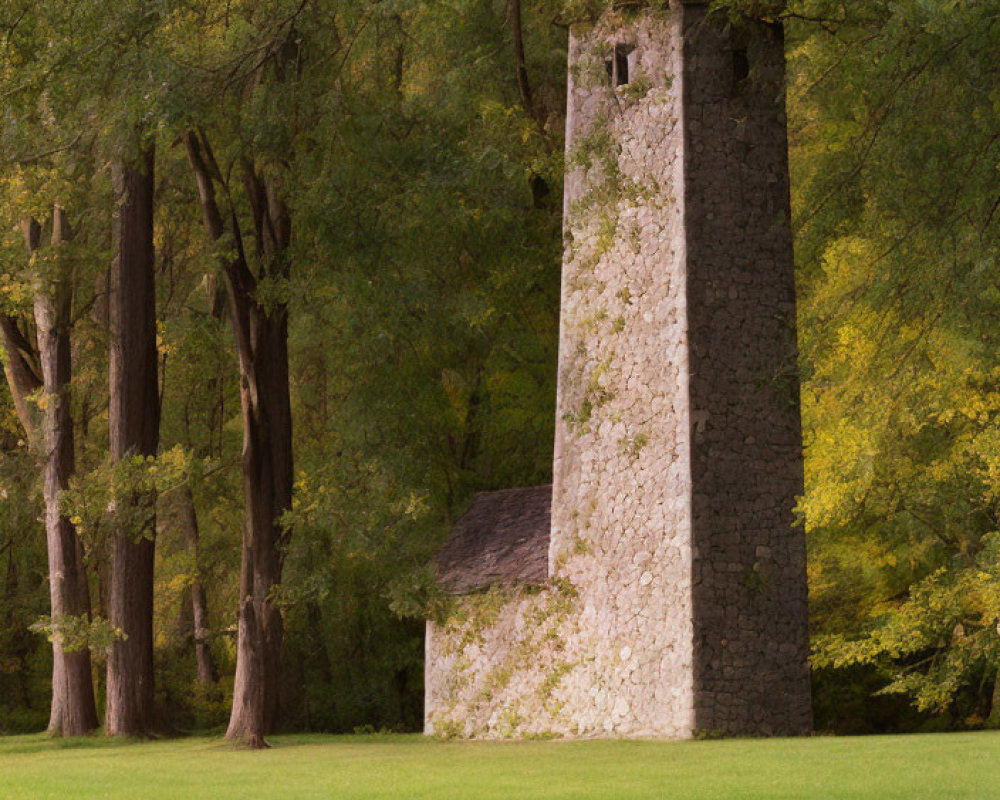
[389,174]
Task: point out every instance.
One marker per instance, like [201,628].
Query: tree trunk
[267,491]
[74,712]
[262,346]
[207,671]
[133,421]
[520,63]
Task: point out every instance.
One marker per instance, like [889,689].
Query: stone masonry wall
[621,522]
[750,598]
[617,658]
[496,666]
[676,600]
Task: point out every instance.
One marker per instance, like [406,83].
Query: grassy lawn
[347,767]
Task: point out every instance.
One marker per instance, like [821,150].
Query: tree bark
[539,186]
[47,366]
[74,712]
[520,63]
[133,421]
[267,489]
[262,346]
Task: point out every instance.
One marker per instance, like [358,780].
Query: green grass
[939,766]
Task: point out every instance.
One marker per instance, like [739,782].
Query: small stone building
[663,591]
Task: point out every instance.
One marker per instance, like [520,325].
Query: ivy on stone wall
[574,11]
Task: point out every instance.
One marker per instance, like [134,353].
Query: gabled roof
[502,538]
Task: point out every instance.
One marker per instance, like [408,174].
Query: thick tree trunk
[133,421]
[267,491]
[74,712]
[262,346]
[207,671]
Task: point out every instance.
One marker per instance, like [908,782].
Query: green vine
[544,619]
[582,11]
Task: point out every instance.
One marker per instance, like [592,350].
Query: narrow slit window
[618,64]
[621,64]
[741,65]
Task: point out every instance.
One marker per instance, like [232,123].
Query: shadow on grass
[35,743]
[43,742]
[307,739]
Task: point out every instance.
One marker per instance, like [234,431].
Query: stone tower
[675,595]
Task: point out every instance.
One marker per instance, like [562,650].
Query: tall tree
[48,425]
[133,421]
[74,712]
[261,332]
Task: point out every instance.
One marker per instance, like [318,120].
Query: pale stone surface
[676,599]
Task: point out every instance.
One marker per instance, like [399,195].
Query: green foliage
[24,667]
[895,178]
[104,499]
[79,633]
[424,200]
[736,10]
[637,88]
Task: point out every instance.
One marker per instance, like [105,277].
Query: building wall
[677,594]
[621,523]
[750,597]
[493,667]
